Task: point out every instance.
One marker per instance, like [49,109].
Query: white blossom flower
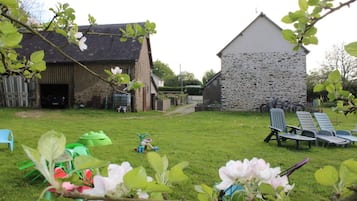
[116,70]
[282,181]
[233,171]
[250,173]
[81,43]
[78,38]
[78,35]
[142,195]
[105,185]
[261,169]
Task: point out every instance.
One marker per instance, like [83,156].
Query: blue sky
[191,32]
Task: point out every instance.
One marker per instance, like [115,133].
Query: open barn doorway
[54,95]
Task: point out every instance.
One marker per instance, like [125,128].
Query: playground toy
[145,143]
[93,138]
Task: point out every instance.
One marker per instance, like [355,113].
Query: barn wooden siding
[59,74]
[14,92]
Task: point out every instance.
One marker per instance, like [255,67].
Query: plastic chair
[7,137]
[326,137]
[283,132]
[325,124]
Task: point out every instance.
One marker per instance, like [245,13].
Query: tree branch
[331,10]
[76,195]
[50,43]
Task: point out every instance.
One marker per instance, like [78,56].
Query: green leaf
[287,19]
[311,31]
[37,56]
[10,40]
[135,178]
[203,188]
[345,93]
[108,72]
[154,187]
[313,40]
[40,163]
[348,172]
[203,197]
[39,76]
[289,35]
[7,27]
[239,196]
[156,196]
[129,29]
[84,162]
[330,88]
[33,154]
[91,20]
[38,67]
[313,2]
[351,49]
[122,78]
[265,188]
[334,76]
[176,174]
[10,37]
[51,145]
[327,176]
[331,96]
[61,32]
[319,88]
[303,5]
[156,162]
[133,85]
[13,4]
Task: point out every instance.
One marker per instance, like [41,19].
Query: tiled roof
[103,47]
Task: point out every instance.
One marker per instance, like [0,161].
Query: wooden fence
[14,92]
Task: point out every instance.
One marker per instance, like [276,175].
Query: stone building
[258,65]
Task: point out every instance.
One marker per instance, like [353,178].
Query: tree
[173,81]
[162,70]
[187,76]
[339,59]
[34,8]
[312,79]
[208,75]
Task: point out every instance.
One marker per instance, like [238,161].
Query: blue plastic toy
[145,144]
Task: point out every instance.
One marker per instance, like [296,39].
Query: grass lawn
[207,140]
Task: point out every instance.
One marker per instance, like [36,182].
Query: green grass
[207,140]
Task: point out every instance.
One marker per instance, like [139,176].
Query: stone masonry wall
[250,79]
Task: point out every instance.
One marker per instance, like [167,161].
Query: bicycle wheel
[298,107]
[264,108]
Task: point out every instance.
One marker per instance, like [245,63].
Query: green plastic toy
[93,138]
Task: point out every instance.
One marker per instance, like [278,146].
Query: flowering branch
[63,24]
[76,195]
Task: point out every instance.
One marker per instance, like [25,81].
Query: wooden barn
[66,84]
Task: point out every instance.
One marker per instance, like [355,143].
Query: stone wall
[250,79]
